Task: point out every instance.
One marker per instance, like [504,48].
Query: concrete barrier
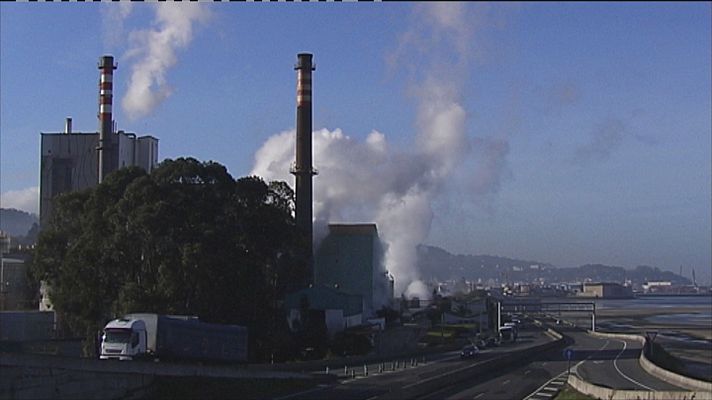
[657,371]
[31,376]
[19,383]
[604,393]
[672,377]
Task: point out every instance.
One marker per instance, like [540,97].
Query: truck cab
[123,339]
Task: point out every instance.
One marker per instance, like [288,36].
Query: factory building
[335,308]
[606,290]
[350,259]
[15,290]
[72,161]
[69,162]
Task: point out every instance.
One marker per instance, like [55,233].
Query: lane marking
[550,389]
[479,395]
[538,391]
[546,395]
[563,374]
[527,372]
[289,396]
[575,367]
[615,364]
[506,382]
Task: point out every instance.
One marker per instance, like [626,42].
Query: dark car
[492,342]
[469,351]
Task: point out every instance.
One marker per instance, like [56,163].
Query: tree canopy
[185,239]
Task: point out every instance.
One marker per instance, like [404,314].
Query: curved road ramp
[695,389]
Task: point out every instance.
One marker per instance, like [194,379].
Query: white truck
[174,337]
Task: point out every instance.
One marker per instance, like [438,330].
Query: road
[377,383]
[605,362]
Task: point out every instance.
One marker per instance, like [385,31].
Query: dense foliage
[185,239]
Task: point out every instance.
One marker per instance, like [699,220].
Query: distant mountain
[16,223]
[436,263]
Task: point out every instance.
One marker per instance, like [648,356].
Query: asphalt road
[606,362]
[377,383]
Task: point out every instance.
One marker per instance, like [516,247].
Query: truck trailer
[172,337]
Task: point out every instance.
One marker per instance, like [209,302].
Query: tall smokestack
[68,125]
[302,169]
[107,159]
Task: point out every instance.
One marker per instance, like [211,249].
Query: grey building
[72,161]
[350,258]
[15,291]
[606,290]
[69,162]
[340,310]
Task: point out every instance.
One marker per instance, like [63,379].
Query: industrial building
[72,161]
[15,290]
[338,310]
[606,291]
[350,259]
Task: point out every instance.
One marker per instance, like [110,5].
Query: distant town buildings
[606,290]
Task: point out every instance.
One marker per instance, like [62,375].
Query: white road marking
[479,395]
[289,396]
[506,382]
[550,389]
[546,395]
[538,391]
[527,372]
[615,364]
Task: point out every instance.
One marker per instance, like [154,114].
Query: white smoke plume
[155,51]
[112,22]
[368,181]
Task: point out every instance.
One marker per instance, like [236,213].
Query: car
[492,342]
[469,351]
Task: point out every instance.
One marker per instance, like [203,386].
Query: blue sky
[573,133]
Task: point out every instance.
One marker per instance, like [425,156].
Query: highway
[384,384]
[605,362]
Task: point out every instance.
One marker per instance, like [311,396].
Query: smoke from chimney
[155,53]
[366,181]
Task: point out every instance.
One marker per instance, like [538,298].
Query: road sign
[569,354]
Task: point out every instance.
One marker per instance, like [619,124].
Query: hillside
[16,222]
[436,263]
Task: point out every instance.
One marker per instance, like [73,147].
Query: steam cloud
[113,17]
[155,50]
[368,181]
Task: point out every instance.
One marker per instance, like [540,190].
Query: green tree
[186,239]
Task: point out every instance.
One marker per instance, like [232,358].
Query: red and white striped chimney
[106,138]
